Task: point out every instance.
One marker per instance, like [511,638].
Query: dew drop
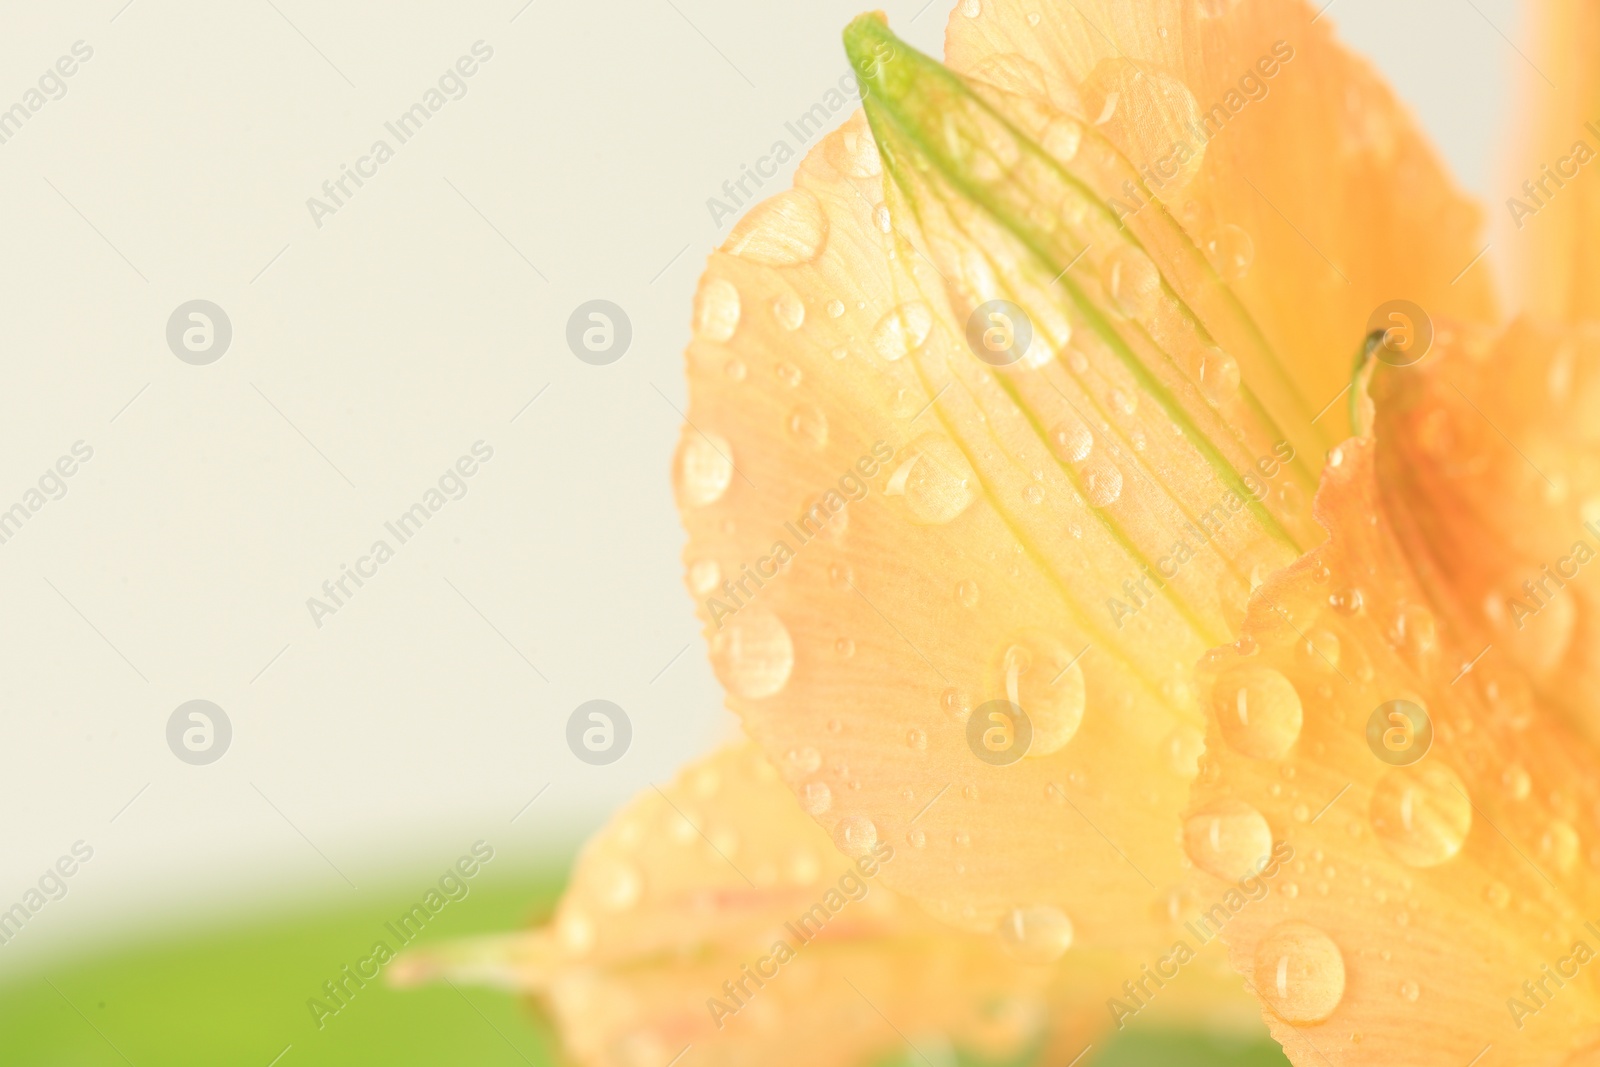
[1346,601]
[783,231]
[807,423]
[1037,672]
[1145,113]
[1033,494]
[1299,972]
[1258,710]
[716,309]
[852,151]
[789,374]
[835,308]
[1038,934]
[902,330]
[736,370]
[816,797]
[1559,846]
[844,647]
[803,760]
[1497,894]
[1132,280]
[1421,813]
[956,704]
[1517,782]
[1228,839]
[855,835]
[618,886]
[789,311]
[1410,990]
[1062,137]
[1219,376]
[704,574]
[705,468]
[1071,440]
[753,654]
[917,837]
[967,593]
[1231,252]
[971,8]
[936,480]
[1102,482]
[1183,748]
[917,739]
[882,219]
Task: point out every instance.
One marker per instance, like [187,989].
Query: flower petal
[696,884]
[1283,155]
[1431,830]
[889,530]
[1552,216]
[1489,459]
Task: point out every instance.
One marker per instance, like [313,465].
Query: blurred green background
[237,995]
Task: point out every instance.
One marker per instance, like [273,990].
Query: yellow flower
[1005,427]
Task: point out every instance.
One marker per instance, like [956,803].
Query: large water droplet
[808,423]
[1132,280]
[902,330]
[1299,973]
[1421,813]
[1039,674]
[936,480]
[1038,934]
[716,309]
[1229,839]
[855,835]
[1150,116]
[753,653]
[704,574]
[705,467]
[1258,709]
[787,229]
[1102,482]
[1230,251]
[789,311]
[1071,440]
[852,150]
[816,797]
[617,885]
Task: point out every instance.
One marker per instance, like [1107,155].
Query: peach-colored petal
[1284,157]
[1431,832]
[668,937]
[1551,218]
[887,532]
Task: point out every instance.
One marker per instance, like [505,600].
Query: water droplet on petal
[789,311]
[1102,482]
[1062,137]
[1228,839]
[816,797]
[803,760]
[1039,674]
[855,835]
[807,423]
[1421,813]
[1219,376]
[1299,973]
[971,8]
[852,151]
[716,309]
[704,574]
[1039,934]
[1410,990]
[902,330]
[787,229]
[1258,710]
[956,704]
[1230,251]
[1071,440]
[1184,746]
[753,653]
[1132,280]
[967,593]
[705,467]
[936,480]
[1149,115]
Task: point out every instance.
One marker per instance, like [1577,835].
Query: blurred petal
[694,885]
[1551,220]
[1442,849]
[1489,460]
[1284,156]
